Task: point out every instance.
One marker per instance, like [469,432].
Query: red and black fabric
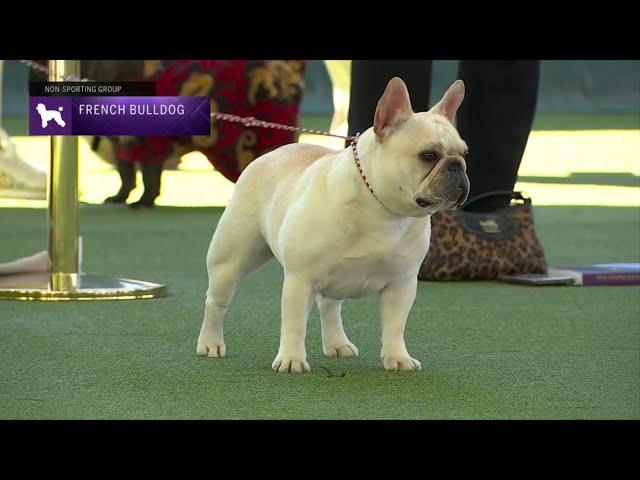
[269,90]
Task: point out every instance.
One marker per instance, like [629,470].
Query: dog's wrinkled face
[418,158]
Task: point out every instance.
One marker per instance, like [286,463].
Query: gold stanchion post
[63,196]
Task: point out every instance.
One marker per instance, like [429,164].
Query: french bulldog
[342,226]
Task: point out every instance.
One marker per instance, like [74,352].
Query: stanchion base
[38,286]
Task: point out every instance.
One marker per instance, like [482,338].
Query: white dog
[341,226]
[47,115]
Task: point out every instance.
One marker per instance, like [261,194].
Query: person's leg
[127,172]
[339,73]
[23,173]
[495,120]
[151,177]
[369,79]
[1,65]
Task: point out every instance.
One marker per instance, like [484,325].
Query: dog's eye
[429,156]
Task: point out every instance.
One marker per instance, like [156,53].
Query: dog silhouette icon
[47,115]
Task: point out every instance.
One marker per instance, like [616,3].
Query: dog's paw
[401,363]
[289,364]
[347,349]
[211,348]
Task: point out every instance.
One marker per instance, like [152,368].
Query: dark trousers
[495,117]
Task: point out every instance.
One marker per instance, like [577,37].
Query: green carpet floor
[489,350]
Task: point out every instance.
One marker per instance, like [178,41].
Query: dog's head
[417,159]
[41,108]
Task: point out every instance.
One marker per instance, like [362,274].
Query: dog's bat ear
[394,107]
[451,101]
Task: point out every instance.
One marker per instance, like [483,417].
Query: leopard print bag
[483,246]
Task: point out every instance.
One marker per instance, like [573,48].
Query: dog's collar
[354,147]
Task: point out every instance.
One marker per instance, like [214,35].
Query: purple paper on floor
[596,274]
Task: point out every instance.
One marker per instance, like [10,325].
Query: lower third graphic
[137,116]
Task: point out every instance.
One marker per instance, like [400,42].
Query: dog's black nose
[455,165]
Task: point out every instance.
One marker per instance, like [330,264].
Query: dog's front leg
[396,300]
[297,298]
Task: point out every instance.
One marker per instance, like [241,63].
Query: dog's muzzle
[457,167]
[451,187]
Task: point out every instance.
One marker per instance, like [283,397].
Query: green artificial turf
[489,350]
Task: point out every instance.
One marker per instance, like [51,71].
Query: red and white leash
[246,121]
[42,69]
[254,122]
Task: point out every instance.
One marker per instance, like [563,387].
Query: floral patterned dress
[268,90]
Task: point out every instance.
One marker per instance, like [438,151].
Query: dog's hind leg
[334,341]
[237,248]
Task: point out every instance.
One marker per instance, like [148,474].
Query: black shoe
[143,203]
[120,197]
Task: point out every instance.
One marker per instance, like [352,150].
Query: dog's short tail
[60,108]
